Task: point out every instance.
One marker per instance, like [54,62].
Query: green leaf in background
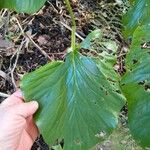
[137,15]
[138,113]
[136,85]
[57,147]
[132,1]
[94,41]
[96,34]
[27,6]
[78,101]
[137,61]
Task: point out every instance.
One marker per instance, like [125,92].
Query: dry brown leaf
[7,48]
[42,40]
[4,44]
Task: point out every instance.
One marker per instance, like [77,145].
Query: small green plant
[80,99]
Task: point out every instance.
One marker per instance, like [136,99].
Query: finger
[25,142]
[26,109]
[14,99]
[31,128]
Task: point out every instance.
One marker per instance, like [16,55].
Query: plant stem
[73,36]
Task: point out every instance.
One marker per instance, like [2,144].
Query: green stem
[73,36]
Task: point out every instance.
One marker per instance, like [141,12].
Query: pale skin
[17,128]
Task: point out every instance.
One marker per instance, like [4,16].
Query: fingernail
[19,93]
[35,103]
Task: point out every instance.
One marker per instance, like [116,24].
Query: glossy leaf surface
[78,100]
[136,83]
[27,6]
[137,15]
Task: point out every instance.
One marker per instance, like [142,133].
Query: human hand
[17,129]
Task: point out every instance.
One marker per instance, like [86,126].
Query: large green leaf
[135,84]
[28,6]
[137,15]
[78,100]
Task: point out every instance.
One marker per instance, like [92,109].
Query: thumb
[26,109]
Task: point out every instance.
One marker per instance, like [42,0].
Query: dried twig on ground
[4,95]
[32,41]
[2,74]
[12,68]
[38,47]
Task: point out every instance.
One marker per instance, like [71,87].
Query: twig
[58,53]
[7,21]
[4,12]
[2,74]
[121,55]
[4,95]
[20,27]
[32,41]
[38,47]
[15,64]
[69,28]
[53,6]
